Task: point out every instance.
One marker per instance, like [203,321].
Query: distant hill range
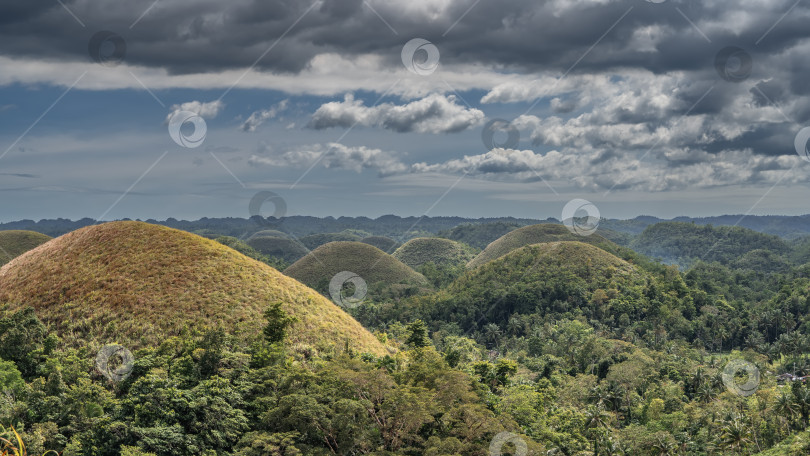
[402,229]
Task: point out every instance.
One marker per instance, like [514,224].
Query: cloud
[259,117]
[26,175]
[432,114]
[207,110]
[331,156]
[591,170]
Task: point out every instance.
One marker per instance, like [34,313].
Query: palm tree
[596,418]
[492,332]
[705,393]
[734,435]
[801,396]
[786,408]
[610,447]
[664,447]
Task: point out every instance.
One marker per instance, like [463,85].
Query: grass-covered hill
[270,233]
[479,235]
[313,241]
[376,267]
[439,251]
[684,243]
[384,243]
[16,242]
[136,283]
[550,280]
[536,234]
[286,248]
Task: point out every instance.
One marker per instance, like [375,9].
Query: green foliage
[24,340]
[418,334]
[684,243]
[278,322]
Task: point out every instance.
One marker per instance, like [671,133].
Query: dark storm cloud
[526,35]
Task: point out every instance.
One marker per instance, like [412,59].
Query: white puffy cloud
[433,114]
[207,110]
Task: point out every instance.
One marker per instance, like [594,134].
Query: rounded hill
[479,235]
[563,279]
[685,243]
[286,248]
[438,251]
[536,234]
[136,283]
[384,243]
[375,267]
[270,233]
[14,243]
[313,241]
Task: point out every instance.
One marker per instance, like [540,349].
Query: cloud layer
[432,114]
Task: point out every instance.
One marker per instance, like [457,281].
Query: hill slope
[684,243]
[555,280]
[14,243]
[384,243]
[285,248]
[89,284]
[479,235]
[313,241]
[372,264]
[535,234]
[438,251]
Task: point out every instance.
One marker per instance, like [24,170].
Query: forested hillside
[138,340]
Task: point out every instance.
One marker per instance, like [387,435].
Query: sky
[477,108]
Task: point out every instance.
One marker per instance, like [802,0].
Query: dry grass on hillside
[137,283]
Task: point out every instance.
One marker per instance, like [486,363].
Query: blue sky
[617,102]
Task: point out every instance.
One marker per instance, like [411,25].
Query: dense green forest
[554,348]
